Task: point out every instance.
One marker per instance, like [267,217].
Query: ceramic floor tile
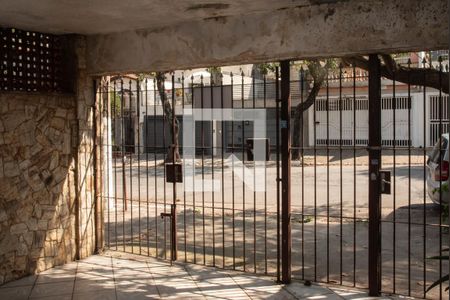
[57,274]
[59,297]
[15,293]
[301,291]
[29,280]
[131,277]
[137,292]
[99,295]
[85,286]
[52,289]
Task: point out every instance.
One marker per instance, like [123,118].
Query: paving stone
[357,294]
[54,289]
[91,285]
[96,295]
[56,275]
[299,290]
[137,295]
[26,281]
[59,297]
[95,274]
[15,293]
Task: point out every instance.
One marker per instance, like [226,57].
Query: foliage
[401,55]
[443,188]
[116,104]
[329,64]
[216,73]
[213,70]
[266,68]
[444,211]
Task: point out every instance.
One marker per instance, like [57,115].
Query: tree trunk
[173,153]
[297,139]
[318,73]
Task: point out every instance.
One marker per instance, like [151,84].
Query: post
[285,172]
[448,114]
[448,109]
[374,175]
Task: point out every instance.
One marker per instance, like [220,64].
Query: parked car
[438,171]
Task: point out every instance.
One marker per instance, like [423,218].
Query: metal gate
[362,213]
[320,215]
[149,210]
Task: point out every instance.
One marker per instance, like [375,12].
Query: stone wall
[49,212]
[37,190]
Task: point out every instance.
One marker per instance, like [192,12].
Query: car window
[434,155]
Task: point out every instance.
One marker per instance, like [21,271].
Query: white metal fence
[345,122]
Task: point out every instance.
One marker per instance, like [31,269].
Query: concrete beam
[332,29]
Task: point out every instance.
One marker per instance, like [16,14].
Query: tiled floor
[122,276]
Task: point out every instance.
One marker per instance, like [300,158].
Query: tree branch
[413,76]
[318,74]
[173,152]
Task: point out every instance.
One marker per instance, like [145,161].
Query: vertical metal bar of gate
[277,118]
[440,171]
[265,182]
[146,166]
[130,150]
[233,216]
[222,152]
[173,210]
[374,175]
[285,171]
[243,175]
[114,142]
[211,89]
[138,130]
[424,124]
[448,118]
[97,97]
[184,178]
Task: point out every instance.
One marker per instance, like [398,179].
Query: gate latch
[173,230]
[385,177]
[163,215]
[169,215]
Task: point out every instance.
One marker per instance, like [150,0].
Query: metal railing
[315,218]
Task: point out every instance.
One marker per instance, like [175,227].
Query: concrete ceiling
[107,16]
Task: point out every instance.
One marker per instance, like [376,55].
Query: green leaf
[437,282]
